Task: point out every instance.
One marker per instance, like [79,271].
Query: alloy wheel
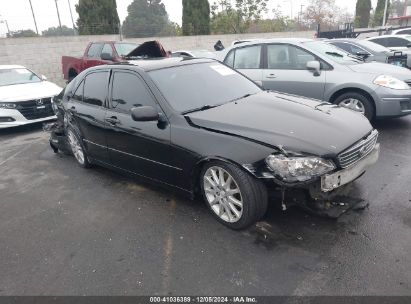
[76,147]
[223,194]
[353,104]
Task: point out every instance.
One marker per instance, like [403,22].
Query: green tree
[238,17]
[147,18]
[23,33]
[97,17]
[57,31]
[196,17]
[379,12]
[362,13]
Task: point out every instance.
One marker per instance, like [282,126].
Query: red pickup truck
[96,53]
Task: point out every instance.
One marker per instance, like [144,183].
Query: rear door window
[95,88]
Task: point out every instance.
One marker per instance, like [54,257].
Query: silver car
[316,69]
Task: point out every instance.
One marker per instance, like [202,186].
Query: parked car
[404,31]
[316,69]
[25,97]
[393,42]
[96,53]
[193,54]
[201,127]
[100,53]
[371,51]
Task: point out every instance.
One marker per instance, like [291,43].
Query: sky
[18,12]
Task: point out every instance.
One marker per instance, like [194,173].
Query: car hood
[378,68]
[290,122]
[28,91]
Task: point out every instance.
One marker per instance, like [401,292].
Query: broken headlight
[299,169]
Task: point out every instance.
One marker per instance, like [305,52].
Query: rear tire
[357,102]
[235,198]
[77,148]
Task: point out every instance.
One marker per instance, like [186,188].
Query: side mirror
[363,54]
[44,78]
[106,56]
[315,67]
[409,45]
[145,113]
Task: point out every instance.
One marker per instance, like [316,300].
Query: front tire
[357,102]
[77,148]
[235,198]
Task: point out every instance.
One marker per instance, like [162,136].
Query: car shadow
[393,124]
[21,130]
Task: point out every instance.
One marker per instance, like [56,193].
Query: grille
[33,109]
[358,151]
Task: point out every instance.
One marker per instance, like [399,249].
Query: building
[405,19]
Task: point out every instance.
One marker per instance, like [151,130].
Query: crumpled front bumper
[330,182]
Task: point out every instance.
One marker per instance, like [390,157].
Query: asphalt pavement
[65,230]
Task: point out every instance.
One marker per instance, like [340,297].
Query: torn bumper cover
[330,182]
[58,139]
[333,194]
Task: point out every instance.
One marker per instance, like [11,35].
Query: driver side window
[129,91]
[287,57]
[107,49]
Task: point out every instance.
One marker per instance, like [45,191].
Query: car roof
[7,67]
[390,36]
[271,40]
[113,41]
[344,39]
[158,63]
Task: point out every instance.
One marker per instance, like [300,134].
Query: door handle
[271,76]
[112,120]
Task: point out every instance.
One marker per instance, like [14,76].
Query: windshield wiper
[203,108]
[242,97]
[335,54]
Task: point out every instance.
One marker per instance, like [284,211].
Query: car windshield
[332,52]
[372,46]
[203,85]
[124,49]
[17,76]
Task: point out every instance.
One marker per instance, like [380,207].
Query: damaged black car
[199,126]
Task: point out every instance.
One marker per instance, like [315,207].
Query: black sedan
[201,127]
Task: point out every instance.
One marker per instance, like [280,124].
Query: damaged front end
[320,186]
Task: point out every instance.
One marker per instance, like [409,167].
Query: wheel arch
[342,91]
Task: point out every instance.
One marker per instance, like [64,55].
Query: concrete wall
[43,55]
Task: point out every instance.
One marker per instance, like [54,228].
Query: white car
[25,97]
[194,54]
[393,42]
[404,31]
